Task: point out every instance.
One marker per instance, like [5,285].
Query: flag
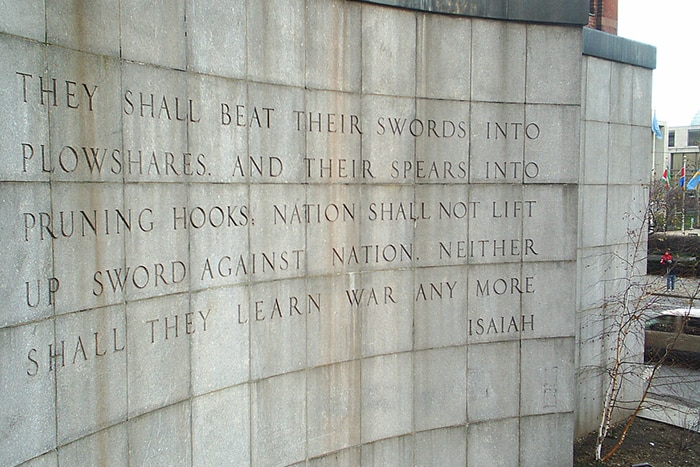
[681,179]
[665,178]
[655,127]
[694,182]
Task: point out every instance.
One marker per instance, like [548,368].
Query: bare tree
[629,378]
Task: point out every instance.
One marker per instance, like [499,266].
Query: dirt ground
[647,443]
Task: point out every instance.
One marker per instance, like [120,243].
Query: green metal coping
[618,49]
[573,12]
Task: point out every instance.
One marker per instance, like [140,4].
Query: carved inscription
[284,224]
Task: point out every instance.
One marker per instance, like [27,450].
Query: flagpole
[683,197]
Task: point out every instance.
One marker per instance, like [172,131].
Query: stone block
[89,225]
[619,154]
[442,133]
[388,51]
[497,143]
[498,61]
[156,250]
[273,131]
[621,76]
[106,447]
[333,32]
[387,231]
[392,451]
[216,37]
[387,398]
[333,327]
[553,217]
[217,220]
[275,42]
[592,198]
[278,421]
[155,116]
[277,315]
[492,382]
[546,376]
[446,447]
[332,217]
[546,440]
[154,32]
[442,214]
[386,312]
[217,144]
[25,130]
[333,405]
[89,27]
[220,352]
[28,392]
[554,76]
[220,427]
[81,105]
[440,388]
[30,286]
[440,317]
[492,315]
[595,153]
[592,266]
[333,138]
[596,97]
[277,247]
[552,141]
[388,145]
[158,353]
[93,364]
[163,436]
[443,56]
[497,232]
[547,303]
[25,19]
[486,442]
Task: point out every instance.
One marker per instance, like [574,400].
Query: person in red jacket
[667,260]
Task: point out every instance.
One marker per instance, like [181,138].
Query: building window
[694,137]
[671,138]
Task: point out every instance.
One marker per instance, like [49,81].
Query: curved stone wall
[270,233]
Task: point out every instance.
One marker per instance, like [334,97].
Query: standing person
[667,260]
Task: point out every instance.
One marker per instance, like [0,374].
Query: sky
[672,26]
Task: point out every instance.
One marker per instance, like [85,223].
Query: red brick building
[603,15]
